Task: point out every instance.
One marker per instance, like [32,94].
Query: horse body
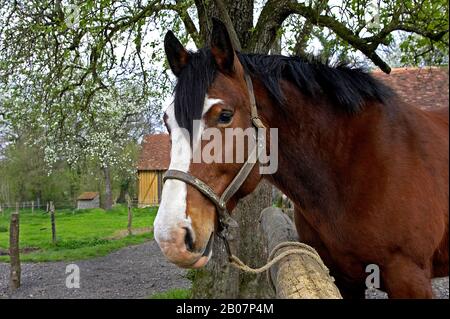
[370,188]
[368,173]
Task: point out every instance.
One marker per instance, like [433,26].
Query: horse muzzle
[179,249]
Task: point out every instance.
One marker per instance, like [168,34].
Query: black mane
[347,88]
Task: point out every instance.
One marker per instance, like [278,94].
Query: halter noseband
[224,217]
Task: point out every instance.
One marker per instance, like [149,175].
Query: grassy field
[173,294]
[81,234]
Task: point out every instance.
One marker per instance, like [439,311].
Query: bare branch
[225,17]
[275,12]
[188,23]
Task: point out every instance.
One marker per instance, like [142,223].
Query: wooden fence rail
[299,275]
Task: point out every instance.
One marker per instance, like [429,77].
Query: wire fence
[45,205]
[13,211]
[37,205]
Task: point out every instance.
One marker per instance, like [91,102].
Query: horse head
[206,177]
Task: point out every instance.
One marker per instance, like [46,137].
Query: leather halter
[220,202]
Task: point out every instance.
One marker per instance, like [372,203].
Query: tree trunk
[108,188]
[240,13]
[219,279]
[276,47]
[124,187]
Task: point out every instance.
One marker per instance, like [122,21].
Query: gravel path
[440,290]
[132,272]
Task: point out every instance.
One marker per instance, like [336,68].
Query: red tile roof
[424,87]
[88,196]
[155,152]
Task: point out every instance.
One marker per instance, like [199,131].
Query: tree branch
[270,20]
[202,14]
[305,33]
[342,31]
[225,17]
[188,23]
[275,12]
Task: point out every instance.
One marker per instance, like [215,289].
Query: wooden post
[14,252]
[46,209]
[1,210]
[32,207]
[130,216]
[296,276]
[52,218]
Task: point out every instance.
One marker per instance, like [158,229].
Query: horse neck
[316,148]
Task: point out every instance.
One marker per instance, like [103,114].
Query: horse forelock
[192,87]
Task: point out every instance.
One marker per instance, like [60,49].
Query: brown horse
[368,173]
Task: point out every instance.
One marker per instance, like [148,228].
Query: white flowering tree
[117,116]
[84,95]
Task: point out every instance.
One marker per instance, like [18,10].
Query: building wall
[149,187]
[85,204]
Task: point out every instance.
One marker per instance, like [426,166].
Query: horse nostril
[188,240]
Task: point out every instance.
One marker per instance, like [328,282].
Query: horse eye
[225,117]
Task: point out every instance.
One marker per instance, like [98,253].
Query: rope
[302,249]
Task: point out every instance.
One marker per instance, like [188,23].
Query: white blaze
[172,210]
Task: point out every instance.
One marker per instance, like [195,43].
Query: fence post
[46,209]
[130,216]
[297,276]
[14,253]
[1,210]
[52,218]
[32,207]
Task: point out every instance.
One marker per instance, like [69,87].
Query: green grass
[81,234]
[173,294]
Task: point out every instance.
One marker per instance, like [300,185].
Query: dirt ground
[133,272]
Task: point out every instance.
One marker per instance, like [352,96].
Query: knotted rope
[301,249]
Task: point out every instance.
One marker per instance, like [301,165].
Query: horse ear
[221,47]
[176,54]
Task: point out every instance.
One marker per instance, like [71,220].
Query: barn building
[154,160]
[88,200]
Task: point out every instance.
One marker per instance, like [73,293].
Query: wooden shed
[154,160]
[88,200]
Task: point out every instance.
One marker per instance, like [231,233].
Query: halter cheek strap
[224,217]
